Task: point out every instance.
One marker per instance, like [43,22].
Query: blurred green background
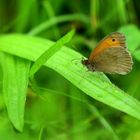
[58,115]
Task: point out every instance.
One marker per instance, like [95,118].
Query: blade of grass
[51,51]
[15,82]
[93,84]
[43,93]
[24,11]
[94,13]
[59,19]
[121,10]
[103,121]
[51,13]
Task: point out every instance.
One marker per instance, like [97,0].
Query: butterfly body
[110,56]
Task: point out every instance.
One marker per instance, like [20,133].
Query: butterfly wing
[113,60]
[114,39]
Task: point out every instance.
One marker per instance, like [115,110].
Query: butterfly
[110,56]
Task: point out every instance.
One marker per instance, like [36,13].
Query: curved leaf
[15,82]
[94,84]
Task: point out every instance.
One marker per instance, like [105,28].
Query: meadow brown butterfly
[110,56]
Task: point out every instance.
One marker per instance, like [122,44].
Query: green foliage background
[62,101]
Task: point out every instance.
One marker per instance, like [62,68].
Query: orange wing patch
[115,39]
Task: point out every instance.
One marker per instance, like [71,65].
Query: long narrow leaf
[96,85]
[15,82]
[51,51]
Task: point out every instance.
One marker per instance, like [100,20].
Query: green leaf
[59,19]
[43,93]
[132,36]
[15,82]
[137,55]
[51,51]
[94,84]
[133,39]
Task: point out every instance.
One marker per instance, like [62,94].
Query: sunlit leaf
[96,85]
[51,51]
[15,82]
[132,36]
